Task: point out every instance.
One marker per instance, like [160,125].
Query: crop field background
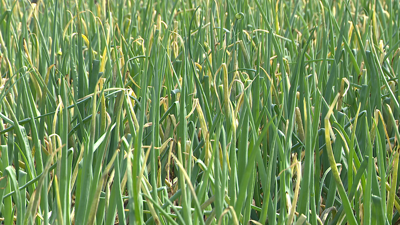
[199,112]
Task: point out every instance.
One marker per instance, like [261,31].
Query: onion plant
[199,112]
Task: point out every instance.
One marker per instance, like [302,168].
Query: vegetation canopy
[199,112]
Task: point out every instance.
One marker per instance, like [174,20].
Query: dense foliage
[199,112]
